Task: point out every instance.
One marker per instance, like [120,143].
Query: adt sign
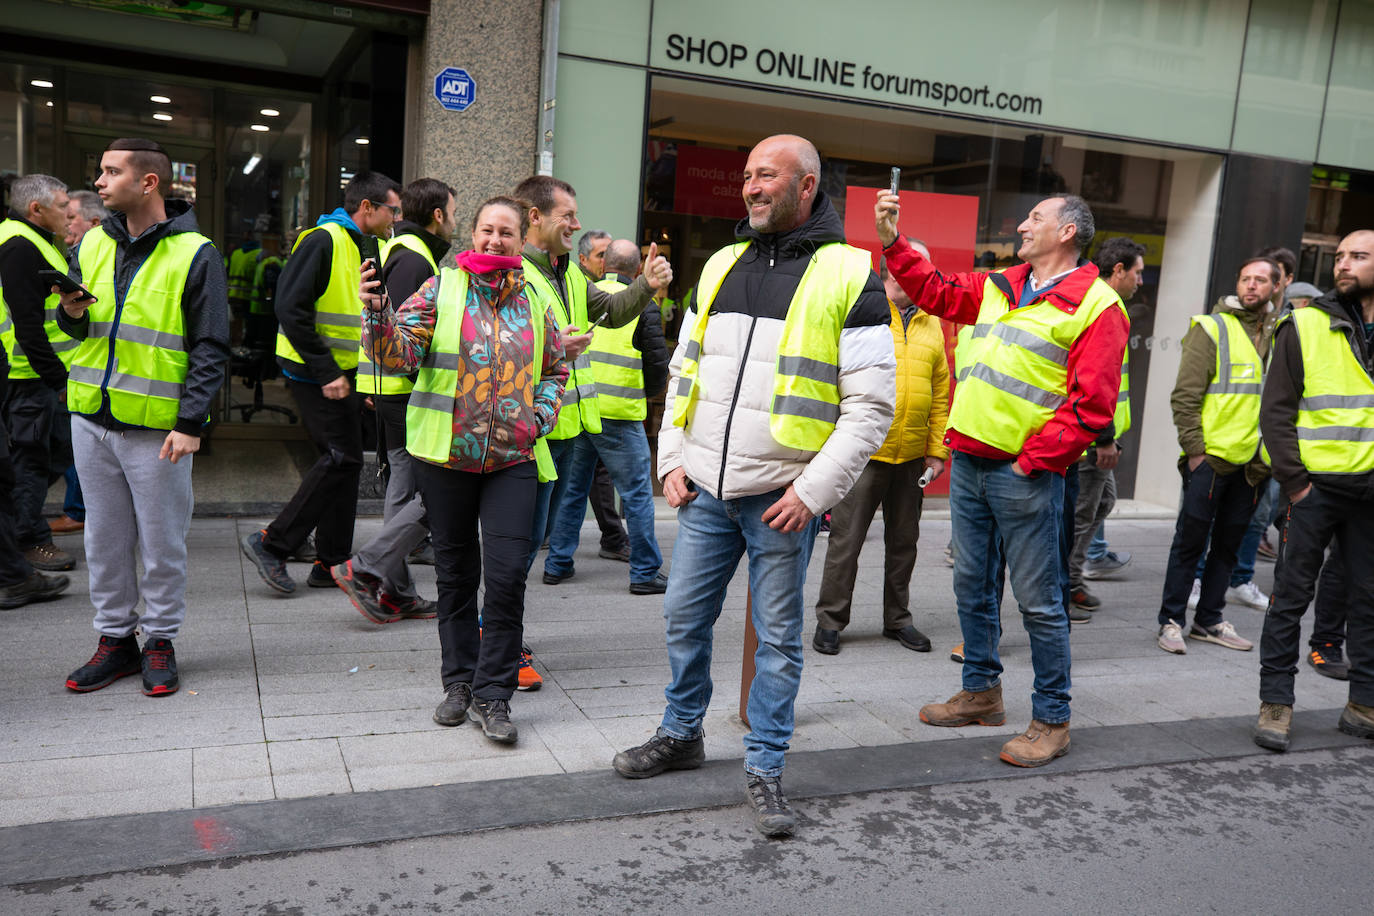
[455,89]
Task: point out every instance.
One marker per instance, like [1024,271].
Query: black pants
[39,453]
[13,567]
[613,534]
[503,502]
[1308,528]
[326,502]
[1221,506]
[1328,613]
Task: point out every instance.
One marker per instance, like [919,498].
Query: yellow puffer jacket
[918,423]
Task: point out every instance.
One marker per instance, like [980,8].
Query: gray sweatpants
[404,526]
[135,503]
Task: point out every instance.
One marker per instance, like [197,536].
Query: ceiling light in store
[161,116]
[260,128]
[362,141]
[160,99]
[50,104]
[269,112]
[251,164]
[41,84]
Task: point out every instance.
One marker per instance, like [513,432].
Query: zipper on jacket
[739,383]
[491,363]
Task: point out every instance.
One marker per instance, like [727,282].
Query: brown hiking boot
[1358,720]
[1040,744]
[1271,731]
[967,708]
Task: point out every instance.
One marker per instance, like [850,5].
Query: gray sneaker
[1223,634]
[772,813]
[494,717]
[1108,566]
[454,708]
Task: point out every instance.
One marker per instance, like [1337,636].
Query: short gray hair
[30,188]
[622,257]
[584,244]
[1076,211]
[92,207]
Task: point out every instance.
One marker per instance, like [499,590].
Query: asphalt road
[1268,834]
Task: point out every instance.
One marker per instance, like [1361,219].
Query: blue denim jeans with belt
[712,537]
[988,499]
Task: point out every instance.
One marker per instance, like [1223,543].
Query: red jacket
[1094,366]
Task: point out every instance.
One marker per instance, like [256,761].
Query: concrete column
[1192,219]
[487,149]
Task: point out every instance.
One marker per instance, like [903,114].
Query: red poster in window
[709,182]
[946,223]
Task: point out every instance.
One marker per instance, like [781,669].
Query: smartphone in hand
[896,179]
[66,284]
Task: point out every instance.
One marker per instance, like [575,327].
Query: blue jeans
[988,500]
[712,536]
[549,492]
[1097,547]
[624,448]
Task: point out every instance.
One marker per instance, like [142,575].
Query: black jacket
[763,282]
[1283,385]
[204,306]
[648,339]
[26,296]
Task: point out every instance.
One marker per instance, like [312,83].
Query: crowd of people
[511,383]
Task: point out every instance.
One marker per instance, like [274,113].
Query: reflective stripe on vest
[387,381]
[1122,419]
[1231,404]
[1335,422]
[580,410]
[134,353]
[618,367]
[338,313]
[429,412]
[242,266]
[806,394]
[1016,374]
[62,345]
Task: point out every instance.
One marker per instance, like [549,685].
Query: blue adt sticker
[455,89]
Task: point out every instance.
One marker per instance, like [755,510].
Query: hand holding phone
[66,285]
[896,179]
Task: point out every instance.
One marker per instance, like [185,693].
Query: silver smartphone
[896,178]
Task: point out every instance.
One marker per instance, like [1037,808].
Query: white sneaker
[1223,634]
[1249,595]
[1171,639]
[1195,595]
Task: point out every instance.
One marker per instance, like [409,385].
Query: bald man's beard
[782,212]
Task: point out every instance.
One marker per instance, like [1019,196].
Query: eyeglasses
[395,211]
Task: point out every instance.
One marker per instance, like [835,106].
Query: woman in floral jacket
[491,373]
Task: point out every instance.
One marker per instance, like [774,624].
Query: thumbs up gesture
[657,271]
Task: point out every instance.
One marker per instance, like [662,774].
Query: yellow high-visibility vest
[581,410]
[62,345]
[387,381]
[1335,420]
[338,313]
[1231,404]
[618,367]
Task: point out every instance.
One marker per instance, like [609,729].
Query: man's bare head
[781,178]
[1354,268]
[622,257]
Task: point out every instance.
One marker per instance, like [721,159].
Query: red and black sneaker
[416,608]
[159,668]
[363,590]
[114,658]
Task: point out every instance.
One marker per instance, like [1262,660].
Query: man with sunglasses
[318,314]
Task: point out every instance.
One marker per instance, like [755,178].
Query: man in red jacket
[1044,370]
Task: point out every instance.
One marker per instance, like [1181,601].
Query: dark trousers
[1308,527]
[1221,506]
[503,503]
[1328,613]
[13,567]
[895,488]
[326,502]
[40,453]
[613,534]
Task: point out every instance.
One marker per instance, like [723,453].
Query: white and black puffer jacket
[726,449]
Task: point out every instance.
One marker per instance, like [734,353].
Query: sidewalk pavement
[290,697]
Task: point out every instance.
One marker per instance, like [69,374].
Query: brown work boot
[1275,721]
[1040,744]
[967,708]
[1357,719]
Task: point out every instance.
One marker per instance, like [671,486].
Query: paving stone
[94,786]
[231,773]
[301,768]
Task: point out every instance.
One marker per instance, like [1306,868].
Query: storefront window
[28,96]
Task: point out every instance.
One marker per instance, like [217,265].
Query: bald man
[779,391]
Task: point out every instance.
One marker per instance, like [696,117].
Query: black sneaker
[114,658]
[454,708]
[661,752]
[37,587]
[159,668]
[306,552]
[362,589]
[615,553]
[494,717]
[556,578]
[422,555]
[269,566]
[1081,597]
[1328,661]
[772,814]
[319,576]
[416,608]
[1079,614]
[655,586]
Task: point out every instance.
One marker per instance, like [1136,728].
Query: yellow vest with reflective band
[62,345]
[1231,404]
[135,352]
[581,410]
[387,381]
[338,313]
[806,392]
[963,346]
[618,367]
[260,304]
[1335,422]
[1017,364]
[1122,418]
[429,414]
[242,265]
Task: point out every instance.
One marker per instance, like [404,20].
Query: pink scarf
[477,263]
